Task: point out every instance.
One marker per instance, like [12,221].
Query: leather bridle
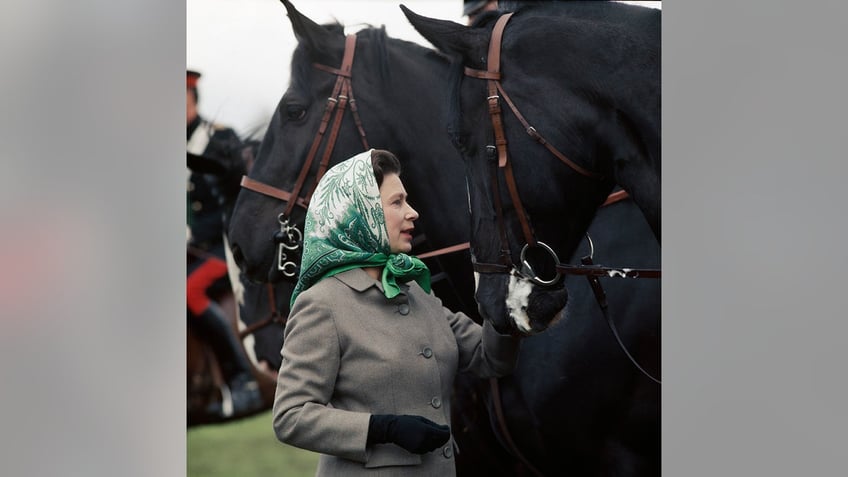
[506,266]
[290,237]
[495,92]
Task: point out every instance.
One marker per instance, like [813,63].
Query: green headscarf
[345,228]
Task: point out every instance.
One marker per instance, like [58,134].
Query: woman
[370,355]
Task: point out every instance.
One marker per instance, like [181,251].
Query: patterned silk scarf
[345,229]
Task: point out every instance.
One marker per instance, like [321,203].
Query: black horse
[558,126]
[403,108]
[574,83]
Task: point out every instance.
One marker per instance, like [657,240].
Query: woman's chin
[407,249]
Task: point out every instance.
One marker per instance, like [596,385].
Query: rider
[215,167]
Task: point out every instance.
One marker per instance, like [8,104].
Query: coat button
[427,353]
[436,402]
[196,206]
[447,452]
[403,308]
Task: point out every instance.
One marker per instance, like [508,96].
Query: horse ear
[313,35]
[448,36]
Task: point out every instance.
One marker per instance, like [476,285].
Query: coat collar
[360,281]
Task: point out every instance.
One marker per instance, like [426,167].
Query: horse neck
[408,117]
[413,101]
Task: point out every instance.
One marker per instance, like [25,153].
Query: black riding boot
[242,395]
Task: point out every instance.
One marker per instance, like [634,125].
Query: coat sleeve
[305,383]
[482,350]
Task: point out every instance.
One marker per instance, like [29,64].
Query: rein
[274,317]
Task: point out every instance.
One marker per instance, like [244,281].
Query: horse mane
[456,72]
[379,53]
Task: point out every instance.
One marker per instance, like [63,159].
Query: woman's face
[399,214]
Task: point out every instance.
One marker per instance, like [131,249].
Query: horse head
[546,134]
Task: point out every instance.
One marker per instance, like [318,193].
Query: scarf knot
[402,268]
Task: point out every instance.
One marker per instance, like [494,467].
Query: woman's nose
[413,214]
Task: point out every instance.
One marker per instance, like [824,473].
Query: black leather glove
[416,434]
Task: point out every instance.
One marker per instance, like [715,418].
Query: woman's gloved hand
[416,434]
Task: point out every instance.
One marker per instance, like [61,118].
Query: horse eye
[460,142]
[295,112]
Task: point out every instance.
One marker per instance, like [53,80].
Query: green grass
[245,448]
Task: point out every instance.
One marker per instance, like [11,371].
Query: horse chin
[491,288]
[546,307]
[533,309]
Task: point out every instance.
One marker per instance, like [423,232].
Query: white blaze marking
[517,299]
[234,272]
[226,401]
[238,292]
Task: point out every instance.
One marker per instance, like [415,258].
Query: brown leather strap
[601,298]
[270,191]
[270,319]
[489,75]
[523,217]
[274,317]
[356,120]
[482,267]
[495,91]
[272,300]
[499,414]
[532,132]
[504,255]
[337,100]
[316,142]
[331,70]
[616,196]
[493,64]
[445,250]
[331,140]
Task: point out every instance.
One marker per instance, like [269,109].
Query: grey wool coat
[350,352]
